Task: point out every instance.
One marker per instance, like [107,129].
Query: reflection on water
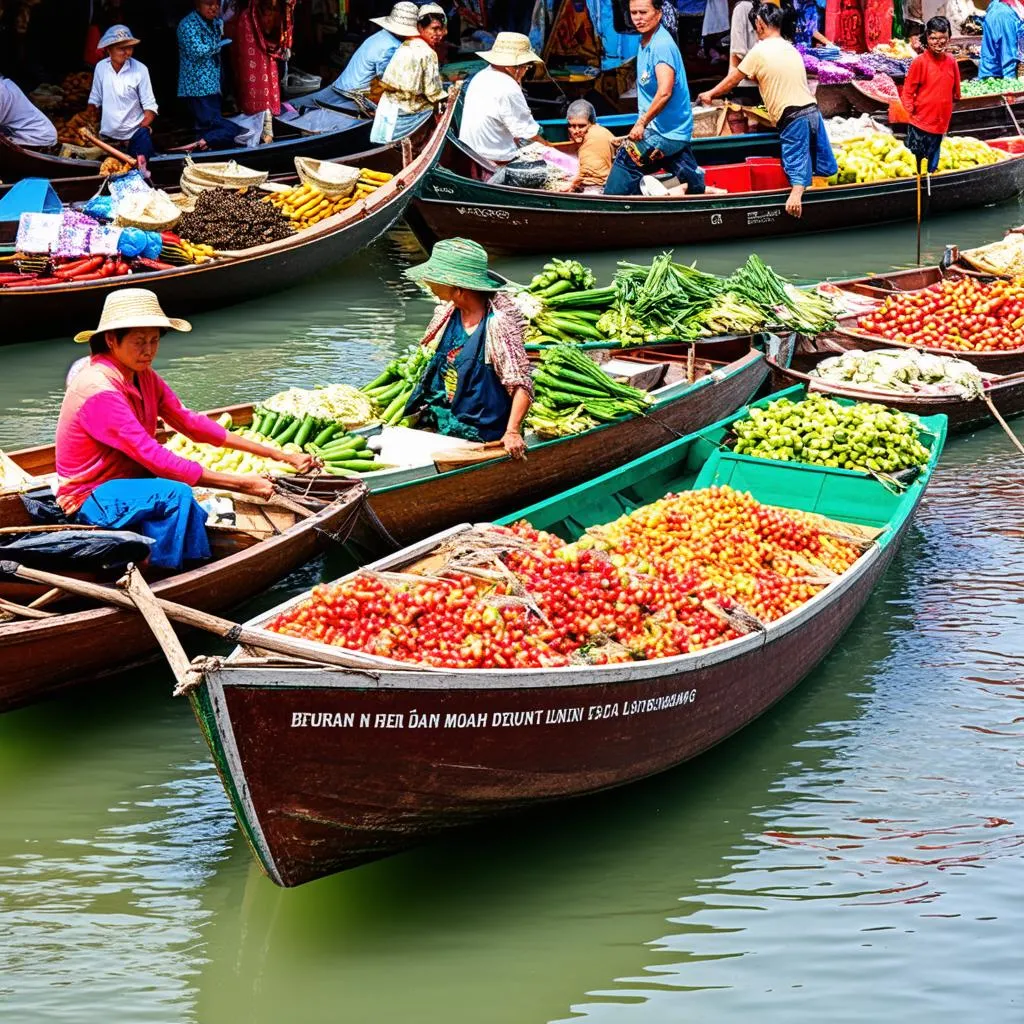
[854,855]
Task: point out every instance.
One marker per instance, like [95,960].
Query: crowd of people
[123,99]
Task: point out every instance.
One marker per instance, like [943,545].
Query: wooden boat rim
[19,627]
[995,384]
[969,356]
[862,189]
[406,179]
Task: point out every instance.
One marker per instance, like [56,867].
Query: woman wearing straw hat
[495,114]
[412,82]
[121,89]
[477,384]
[111,470]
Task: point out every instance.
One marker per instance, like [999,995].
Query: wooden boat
[455,201]
[329,767]
[43,657]
[407,504]
[50,310]
[963,415]
[847,335]
[277,157]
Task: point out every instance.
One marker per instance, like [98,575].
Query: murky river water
[855,855]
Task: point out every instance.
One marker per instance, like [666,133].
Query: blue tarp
[30,195]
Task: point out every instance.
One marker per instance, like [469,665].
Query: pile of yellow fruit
[306,205]
[883,157]
[230,460]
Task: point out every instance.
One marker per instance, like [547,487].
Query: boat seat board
[841,494]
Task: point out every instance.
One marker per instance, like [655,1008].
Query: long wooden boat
[962,414]
[847,335]
[47,311]
[44,657]
[412,502]
[455,201]
[328,768]
[16,162]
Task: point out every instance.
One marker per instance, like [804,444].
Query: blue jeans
[635,159]
[806,150]
[211,124]
[140,144]
[163,510]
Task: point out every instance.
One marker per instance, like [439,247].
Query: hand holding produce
[964,315]
[860,436]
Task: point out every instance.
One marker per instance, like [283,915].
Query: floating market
[597,552]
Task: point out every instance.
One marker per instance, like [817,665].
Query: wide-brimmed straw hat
[402,19]
[132,307]
[432,9]
[510,49]
[458,263]
[117,35]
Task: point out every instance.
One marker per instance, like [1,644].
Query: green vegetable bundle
[819,430]
[298,415]
[390,391]
[991,86]
[343,453]
[572,393]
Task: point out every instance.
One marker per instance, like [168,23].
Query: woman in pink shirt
[111,470]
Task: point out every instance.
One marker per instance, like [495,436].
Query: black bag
[97,552]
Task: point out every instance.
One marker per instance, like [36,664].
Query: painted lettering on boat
[486,212]
[415,719]
[716,219]
[763,216]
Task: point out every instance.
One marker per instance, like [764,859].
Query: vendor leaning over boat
[495,115]
[112,472]
[777,67]
[123,93]
[412,82]
[478,384]
[663,130]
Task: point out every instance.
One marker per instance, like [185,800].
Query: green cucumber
[305,429]
[290,432]
[269,422]
[356,465]
[378,381]
[326,434]
[284,421]
[397,404]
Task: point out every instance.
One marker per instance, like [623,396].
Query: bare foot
[714,190]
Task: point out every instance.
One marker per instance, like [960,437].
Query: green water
[854,855]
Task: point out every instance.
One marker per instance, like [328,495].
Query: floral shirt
[413,77]
[504,339]
[199,55]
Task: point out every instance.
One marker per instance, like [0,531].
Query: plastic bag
[136,242]
[100,206]
[250,129]
[105,552]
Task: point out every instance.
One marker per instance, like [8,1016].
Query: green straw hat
[458,263]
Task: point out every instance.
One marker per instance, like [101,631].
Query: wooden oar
[999,419]
[224,628]
[107,148]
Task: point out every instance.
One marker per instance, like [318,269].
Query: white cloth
[495,114]
[716,18]
[123,97]
[20,121]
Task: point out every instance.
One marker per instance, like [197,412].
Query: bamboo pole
[999,419]
[919,212]
[224,628]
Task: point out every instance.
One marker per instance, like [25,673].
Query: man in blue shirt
[662,133]
[999,41]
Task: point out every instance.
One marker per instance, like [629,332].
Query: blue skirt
[163,510]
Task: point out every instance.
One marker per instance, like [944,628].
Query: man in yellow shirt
[777,67]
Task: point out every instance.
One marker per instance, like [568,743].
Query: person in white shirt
[20,121]
[495,115]
[121,89]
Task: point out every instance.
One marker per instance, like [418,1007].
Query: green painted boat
[329,767]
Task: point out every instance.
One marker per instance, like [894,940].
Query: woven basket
[222,175]
[330,178]
[151,211]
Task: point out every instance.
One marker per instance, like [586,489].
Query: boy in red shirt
[933,83]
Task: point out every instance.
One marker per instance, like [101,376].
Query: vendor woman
[112,472]
[478,384]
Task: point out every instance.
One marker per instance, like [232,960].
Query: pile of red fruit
[965,315]
[668,578]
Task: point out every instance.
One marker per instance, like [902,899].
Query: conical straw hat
[132,307]
[402,19]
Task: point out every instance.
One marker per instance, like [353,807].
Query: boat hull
[44,657]
[344,769]
[515,220]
